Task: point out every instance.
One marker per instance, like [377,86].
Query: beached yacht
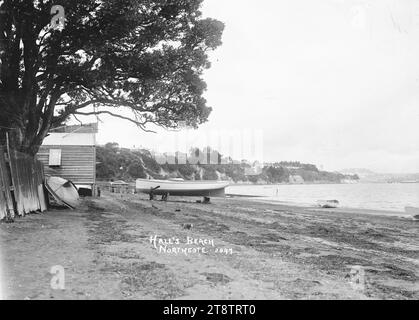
[178,187]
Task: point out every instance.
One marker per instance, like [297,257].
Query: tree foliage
[145,56]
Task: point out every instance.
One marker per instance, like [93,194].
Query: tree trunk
[26,139]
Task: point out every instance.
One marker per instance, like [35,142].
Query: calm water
[377,196]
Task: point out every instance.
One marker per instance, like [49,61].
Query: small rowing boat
[327,204]
[182,188]
[412,211]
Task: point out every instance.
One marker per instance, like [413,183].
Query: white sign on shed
[54,157]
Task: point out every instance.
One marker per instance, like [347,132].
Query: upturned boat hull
[63,191]
[182,188]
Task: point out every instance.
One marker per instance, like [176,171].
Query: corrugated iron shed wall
[78,163]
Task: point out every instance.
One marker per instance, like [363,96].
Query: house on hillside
[70,153]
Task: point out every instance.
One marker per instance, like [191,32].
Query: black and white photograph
[208,150]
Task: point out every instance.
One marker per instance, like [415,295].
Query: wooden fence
[21,184]
[6,200]
[107,186]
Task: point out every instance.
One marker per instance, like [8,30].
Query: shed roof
[85,128]
[70,139]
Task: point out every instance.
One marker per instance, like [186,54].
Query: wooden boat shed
[70,153]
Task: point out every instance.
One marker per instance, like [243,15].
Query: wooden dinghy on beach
[63,191]
[328,204]
[412,211]
[178,187]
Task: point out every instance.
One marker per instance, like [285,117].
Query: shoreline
[319,183]
[379,212]
[387,198]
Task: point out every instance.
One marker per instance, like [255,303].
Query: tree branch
[137,123]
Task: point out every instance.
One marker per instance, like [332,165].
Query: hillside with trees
[119,163]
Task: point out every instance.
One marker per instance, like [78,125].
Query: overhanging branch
[141,125]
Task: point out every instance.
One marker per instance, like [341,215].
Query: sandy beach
[126,247]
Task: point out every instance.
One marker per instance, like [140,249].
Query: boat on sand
[327,204]
[182,188]
[63,191]
[412,211]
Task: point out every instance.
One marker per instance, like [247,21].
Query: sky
[329,82]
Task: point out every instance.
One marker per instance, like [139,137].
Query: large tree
[146,56]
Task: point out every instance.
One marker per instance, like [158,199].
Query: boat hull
[182,188]
[63,191]
[328,204]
